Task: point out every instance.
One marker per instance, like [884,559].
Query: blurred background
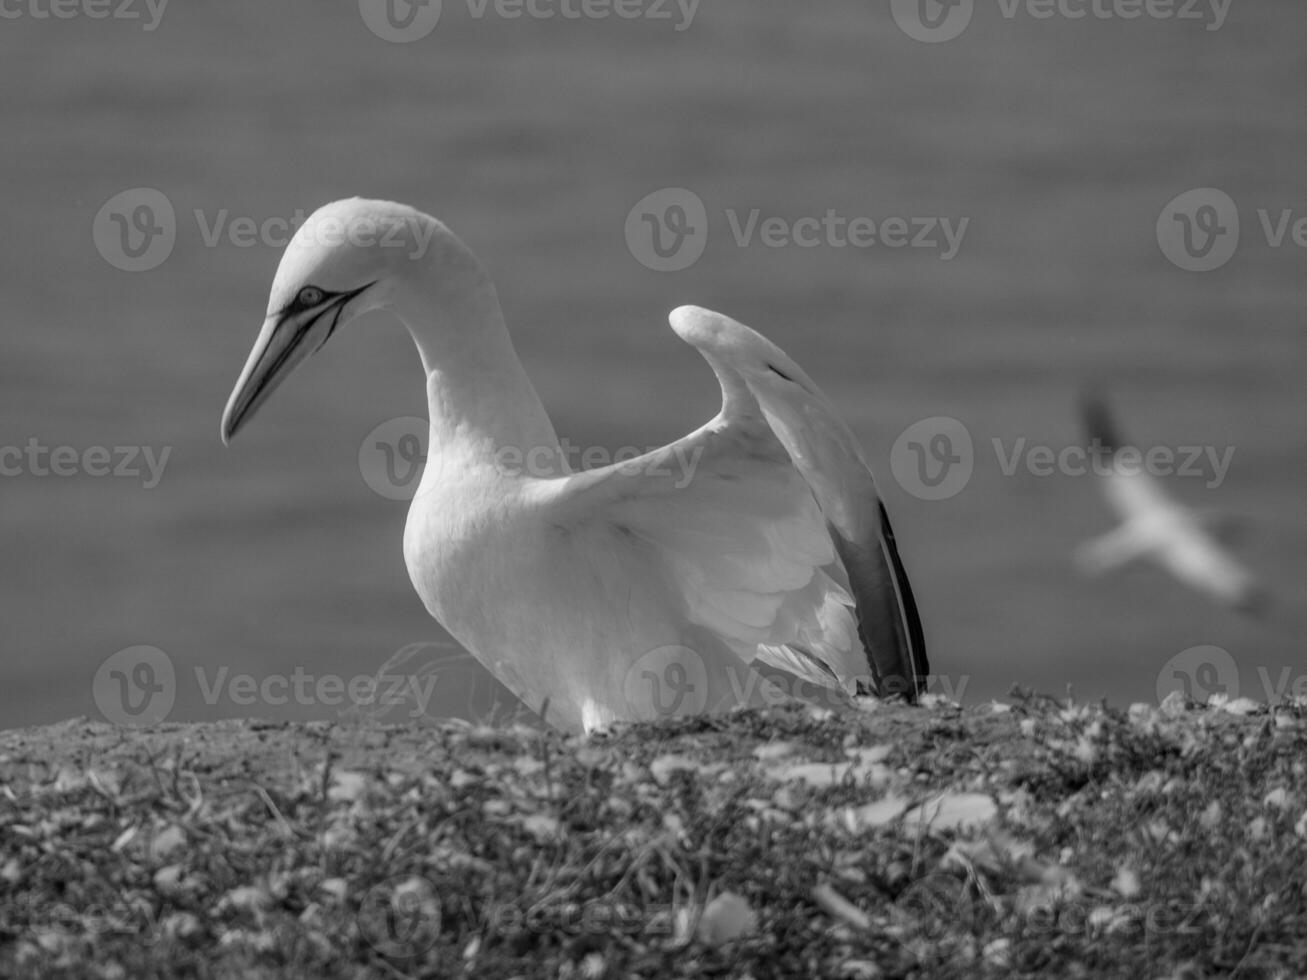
[1060,140]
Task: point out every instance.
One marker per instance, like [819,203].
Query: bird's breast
[476,559]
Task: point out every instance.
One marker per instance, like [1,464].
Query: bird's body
[651,587]
[1154,525]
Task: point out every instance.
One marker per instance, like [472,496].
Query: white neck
[483,408]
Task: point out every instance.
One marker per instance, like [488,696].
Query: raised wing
[768,524]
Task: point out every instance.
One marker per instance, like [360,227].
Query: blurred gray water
[1060,140]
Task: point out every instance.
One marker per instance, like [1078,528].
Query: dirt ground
[1034,838]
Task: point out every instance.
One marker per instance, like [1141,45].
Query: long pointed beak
[278,351]
[285,341]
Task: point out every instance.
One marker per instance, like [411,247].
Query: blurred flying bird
[1155,526]
[665,585]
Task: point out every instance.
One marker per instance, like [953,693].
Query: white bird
[627,592]
[1155,526]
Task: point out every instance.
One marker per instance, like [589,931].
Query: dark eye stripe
[297,305]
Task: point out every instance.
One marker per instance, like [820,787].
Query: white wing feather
[753,517]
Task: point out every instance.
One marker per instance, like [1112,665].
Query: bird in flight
[1157,527]
[629,592]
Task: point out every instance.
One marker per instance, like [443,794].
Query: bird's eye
[310,296]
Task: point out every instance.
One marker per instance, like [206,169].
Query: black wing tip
[909,687]
[885,611]
[1099,425]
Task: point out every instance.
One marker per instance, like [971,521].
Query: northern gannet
[1155,526]
[627,592]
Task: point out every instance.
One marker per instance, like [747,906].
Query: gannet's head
[346,259]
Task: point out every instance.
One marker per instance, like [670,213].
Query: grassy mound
[1036,839]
